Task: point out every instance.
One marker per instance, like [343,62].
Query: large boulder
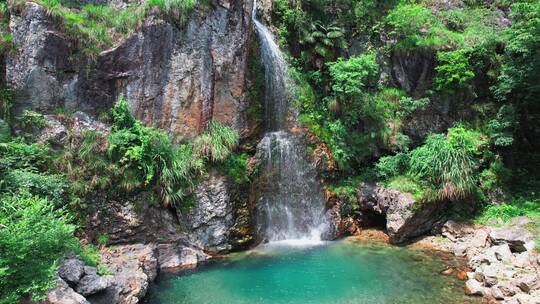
[174,256]
[71,271]
[404,218]
[85,285]
[92,283]
[133,267]
[519,239]
[63,294]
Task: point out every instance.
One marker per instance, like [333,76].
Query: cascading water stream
[292,206]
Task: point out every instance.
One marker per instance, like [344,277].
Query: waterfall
[292,205]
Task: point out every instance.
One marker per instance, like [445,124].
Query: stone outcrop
[130,269]
[210,220]
[175,78]
[413,71]
[519,239]
[40,69]
[133,268]
[403,219]
[63,294]
[133,220]
[78,283]
[175,256]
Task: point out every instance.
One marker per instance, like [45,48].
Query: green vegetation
[147,157]
[453,70]
[95,27]
[6,40]
[43,192]
[469,134]
[483,67]
[34,236]
[445,167]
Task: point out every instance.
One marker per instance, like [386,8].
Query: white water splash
[292,207]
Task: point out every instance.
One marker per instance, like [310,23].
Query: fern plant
[321,41]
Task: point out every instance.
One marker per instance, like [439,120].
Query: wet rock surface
[175,256]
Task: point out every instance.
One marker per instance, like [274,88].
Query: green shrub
[147,158]
[30,120]
[501,128]
[347,189]
[6,103]
[5,132]
[416,27]
[19,155]
[497,175]
[99,26]
[390,166]
[52,187]
[405,184]
[518,80]
[448,164]
[354,75]
[237,166]
[178,9]
[33,240]
[453,70]
[216,143]
[505,212]
[85,165]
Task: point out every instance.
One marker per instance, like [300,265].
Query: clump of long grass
[448,164]
[98,26]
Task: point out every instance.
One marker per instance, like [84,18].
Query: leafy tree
[502,127]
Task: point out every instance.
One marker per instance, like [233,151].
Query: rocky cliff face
[174,78]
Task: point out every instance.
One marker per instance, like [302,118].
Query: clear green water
[339,272]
